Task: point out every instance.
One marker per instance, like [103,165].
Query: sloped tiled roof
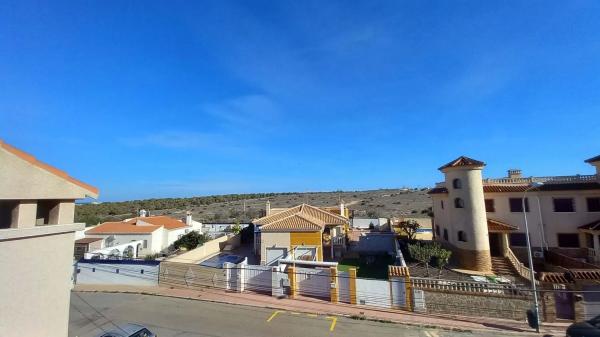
[298,219]
[462,161]
[499,226]
[570,276]
[87,240]
[593,160]
[520,188]
[51,169]
[160,220]
[594,226]
[121,228]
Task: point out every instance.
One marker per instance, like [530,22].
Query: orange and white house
[141,235]
[303,232]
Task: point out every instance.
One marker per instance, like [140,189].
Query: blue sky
[179,98]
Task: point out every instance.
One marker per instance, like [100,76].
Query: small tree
[410,227]
[442,257]
[422,253]
[236,228]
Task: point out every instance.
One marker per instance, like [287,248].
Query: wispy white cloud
[174,139]
[481,79]
[244,112]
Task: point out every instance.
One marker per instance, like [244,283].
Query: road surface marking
[312,315]
[275,313]
[333,321]
[431,334]
[295,313]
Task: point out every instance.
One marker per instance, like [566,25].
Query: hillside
[227,208]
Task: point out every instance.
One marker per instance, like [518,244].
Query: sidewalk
[311,305]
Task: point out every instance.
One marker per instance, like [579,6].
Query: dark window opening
[563,205]
[47,212]
[462,236]
[437,230]
[446,234]
[518,240]
[516,204]
[593,204]
[457,184]
[6,213]
[489,205]
[568,240]
[459,203]
[442,203]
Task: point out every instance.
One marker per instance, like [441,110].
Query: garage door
[591,301]
[274,254]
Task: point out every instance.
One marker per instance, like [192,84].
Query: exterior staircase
[501,266]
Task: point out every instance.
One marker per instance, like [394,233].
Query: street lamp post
[530,257]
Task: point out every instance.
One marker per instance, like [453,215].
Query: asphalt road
[92,313]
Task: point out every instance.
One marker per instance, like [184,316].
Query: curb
[356,317]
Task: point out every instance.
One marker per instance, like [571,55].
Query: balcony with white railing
[578,178]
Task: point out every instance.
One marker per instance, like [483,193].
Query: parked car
[589,328]
[129,330]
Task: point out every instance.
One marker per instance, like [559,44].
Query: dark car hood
[583,329]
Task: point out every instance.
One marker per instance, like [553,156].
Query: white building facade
[485,216]
[37,203]
[151,234]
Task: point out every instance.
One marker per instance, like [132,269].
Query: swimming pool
[218,260]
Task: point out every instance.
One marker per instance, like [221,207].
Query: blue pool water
[218,260]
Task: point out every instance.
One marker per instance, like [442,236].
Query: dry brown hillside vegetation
[245,207]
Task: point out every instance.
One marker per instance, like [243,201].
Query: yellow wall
[308,239]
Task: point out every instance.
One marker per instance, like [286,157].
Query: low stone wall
[476,305]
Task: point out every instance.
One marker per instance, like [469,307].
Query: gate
[187,275]
[313,282]
[591,301]
[564,305]
[258,279]
[344,286]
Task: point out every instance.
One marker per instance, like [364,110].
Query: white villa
[139,236]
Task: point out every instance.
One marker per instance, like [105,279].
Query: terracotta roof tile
[121,228]
[160,220]
[521,188]
[570,276]
[62,174]
[88,240]
[462,161]
[300,218]
[499,226]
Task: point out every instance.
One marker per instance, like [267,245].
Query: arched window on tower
[462,236]
[457,184]
[459,203]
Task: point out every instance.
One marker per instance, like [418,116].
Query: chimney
[342,208]
[514,173]
[188,218]
[268,208]
[143,213]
